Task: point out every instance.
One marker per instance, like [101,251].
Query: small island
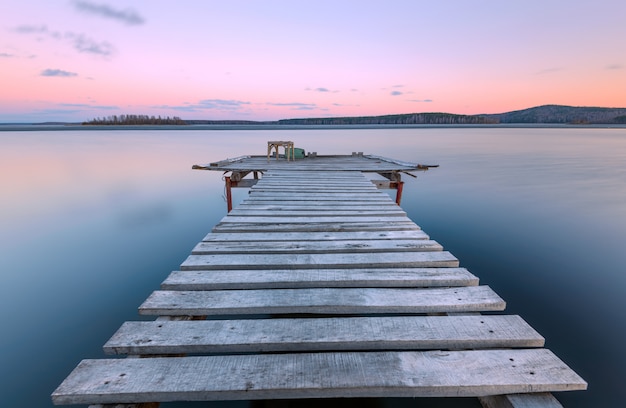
[132,120]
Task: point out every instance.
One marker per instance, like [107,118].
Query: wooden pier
[319,286]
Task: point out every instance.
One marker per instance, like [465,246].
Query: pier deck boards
[309,289]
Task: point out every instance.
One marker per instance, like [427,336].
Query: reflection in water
[93,221]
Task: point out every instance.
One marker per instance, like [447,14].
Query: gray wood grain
[345,226]
[324,334]
[318,278]
[311,220]
[535,400]
[242,211]
[440,259]
[301,186]
[312,247]
[412,234]
[321,205]
[317,375]
[322,301]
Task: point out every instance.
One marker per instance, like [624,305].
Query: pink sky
[74,60]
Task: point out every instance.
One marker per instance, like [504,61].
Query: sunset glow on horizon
[75,60]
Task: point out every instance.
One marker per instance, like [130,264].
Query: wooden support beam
[245,183]
[238,175]
[538,400]
[391,175]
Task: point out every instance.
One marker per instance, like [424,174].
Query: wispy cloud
[396,93]
[320,89]
[208,104]
[6,55]
[295,105]
[57,73]
[615,66]
[80,42]
[421,100]
[32,29]
[87,45]
[89,106]
[127,16]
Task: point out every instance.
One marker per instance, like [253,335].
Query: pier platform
[317,286]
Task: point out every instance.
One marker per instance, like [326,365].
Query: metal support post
[399,186]
[229,195]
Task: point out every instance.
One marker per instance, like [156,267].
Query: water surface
[92,221]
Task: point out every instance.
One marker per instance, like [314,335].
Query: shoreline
[71,127]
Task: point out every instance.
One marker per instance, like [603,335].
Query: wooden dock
[319,286]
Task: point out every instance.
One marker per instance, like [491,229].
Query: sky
[75,60]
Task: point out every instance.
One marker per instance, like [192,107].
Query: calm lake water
[91,222]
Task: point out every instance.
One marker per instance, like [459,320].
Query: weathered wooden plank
[322,301]
[372,194]
[376,195]
[315,236]
[439,259]
[314,213]
[323,334]
[305,186]
[320,219]
[328,166]
[315,183]
[303,206]
[394,161]
[317,227]
[319,205]
[318,278]
[324,199]
[537,400]
[317,375]
[298,188]
[311,247]
[320,175]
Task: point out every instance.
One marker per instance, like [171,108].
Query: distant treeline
[135,120]
[549,114]
[405,119]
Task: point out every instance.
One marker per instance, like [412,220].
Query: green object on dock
[298,153]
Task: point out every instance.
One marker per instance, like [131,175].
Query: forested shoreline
[115,120]
[547,114]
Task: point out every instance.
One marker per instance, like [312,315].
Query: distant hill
[548,114]
[562,114]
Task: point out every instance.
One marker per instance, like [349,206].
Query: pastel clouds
[127,16]
[275,60]
[81,42]
[208,105]
[57,73]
